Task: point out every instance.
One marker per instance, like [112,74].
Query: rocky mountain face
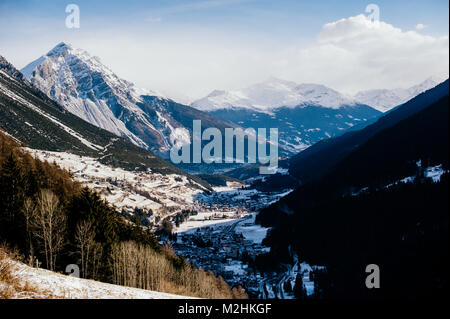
[87,88]
[35,120]
[9,69]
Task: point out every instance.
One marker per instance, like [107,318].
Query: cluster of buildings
[223,251]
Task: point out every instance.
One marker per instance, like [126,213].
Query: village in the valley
[218,233]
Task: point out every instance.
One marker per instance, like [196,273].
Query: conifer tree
[299,289]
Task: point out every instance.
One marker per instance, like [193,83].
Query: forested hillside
[386,203]
[319,159]
[54,222]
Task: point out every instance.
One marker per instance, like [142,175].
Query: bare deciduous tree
[29,211]
[84,237]
[49,224]
[140,266]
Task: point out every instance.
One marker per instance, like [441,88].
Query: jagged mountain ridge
[90,90]
[272,94]
[277,93]
[385,99]
[303,113]
[28,115]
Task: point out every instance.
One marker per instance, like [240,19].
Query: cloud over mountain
[355,53]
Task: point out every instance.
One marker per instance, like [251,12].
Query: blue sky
[187,48]
[237,14]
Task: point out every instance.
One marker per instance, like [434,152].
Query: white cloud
[420,26]
[350,54]
[355,53]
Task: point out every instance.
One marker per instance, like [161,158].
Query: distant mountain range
[315,161]
[85,87]
[386,99]
[320,158]
[304,113]
[272,94]
[276,93]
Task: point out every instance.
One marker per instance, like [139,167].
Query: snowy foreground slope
[41,283]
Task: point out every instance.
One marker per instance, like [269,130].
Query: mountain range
[303,113]
[275,93]
[35,120]
[88,89]
[371,180]
[386,99]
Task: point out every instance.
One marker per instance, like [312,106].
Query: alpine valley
[361,179]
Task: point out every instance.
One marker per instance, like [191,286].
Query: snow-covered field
[43,283]
[251,231]
[210,219]
[126,189]
[434,172]
[244,223]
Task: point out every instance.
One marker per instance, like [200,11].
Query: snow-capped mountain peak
[84,86]
[386,99]
[60,48]
[273,93]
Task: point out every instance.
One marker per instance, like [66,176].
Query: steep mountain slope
[384,99]
[30,116]
[90,90]
[314,162]
[301,127]
[384,203]
[303,113]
